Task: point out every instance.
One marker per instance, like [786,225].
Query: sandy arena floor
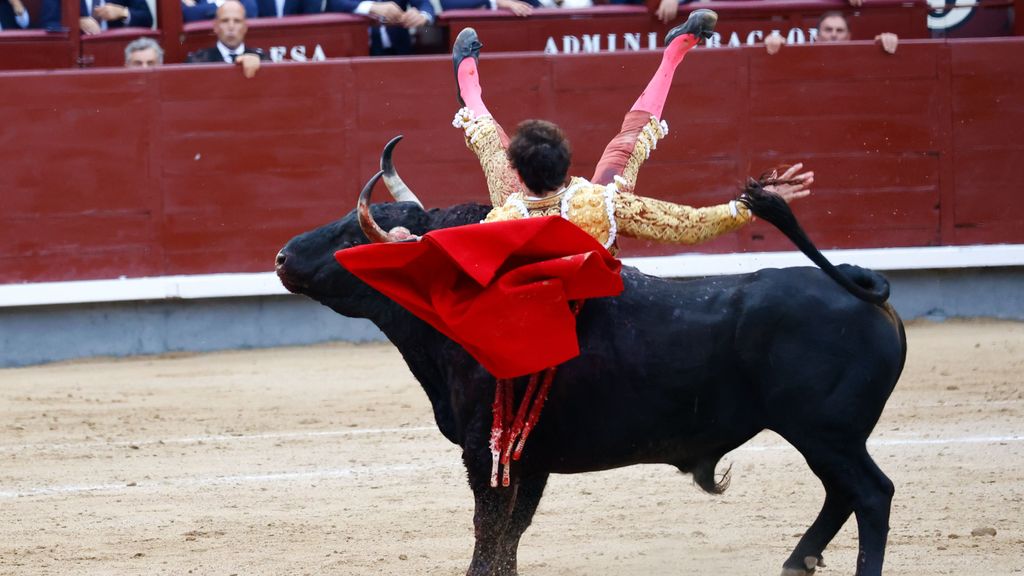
[324,460]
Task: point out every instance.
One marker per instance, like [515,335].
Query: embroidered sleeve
[646,141]
[483,137]
[651,219]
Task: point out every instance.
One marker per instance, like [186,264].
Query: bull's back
[679,370]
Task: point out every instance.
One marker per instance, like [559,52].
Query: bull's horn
[374,232]
[392,180]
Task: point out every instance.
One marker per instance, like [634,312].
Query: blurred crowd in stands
[394,21]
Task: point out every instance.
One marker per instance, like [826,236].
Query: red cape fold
[501,289]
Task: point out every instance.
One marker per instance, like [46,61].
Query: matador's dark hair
[541,155]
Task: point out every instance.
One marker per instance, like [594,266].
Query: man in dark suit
[196,10]
[396,18]
[13,15]
[521,8]
[279,8]
[230,28]
[95,16]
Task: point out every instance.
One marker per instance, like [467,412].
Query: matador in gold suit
[604,206]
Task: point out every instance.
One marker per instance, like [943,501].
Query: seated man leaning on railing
[395,19]
[522,8]
[282,8]
[198,10]
[99,15]
[13,15]
[667,9]
[833,27]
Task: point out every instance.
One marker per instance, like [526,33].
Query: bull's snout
[287,277]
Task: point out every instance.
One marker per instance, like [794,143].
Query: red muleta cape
[501,290]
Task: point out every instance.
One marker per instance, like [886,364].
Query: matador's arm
[651,219]
[488,141]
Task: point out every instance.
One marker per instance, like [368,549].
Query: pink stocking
[652,99]
[469,87]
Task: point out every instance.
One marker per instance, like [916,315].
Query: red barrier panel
[41,49]
[631,28]
[194,169]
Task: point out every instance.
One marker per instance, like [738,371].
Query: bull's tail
[865,284]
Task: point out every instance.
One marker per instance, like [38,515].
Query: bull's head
[306,265]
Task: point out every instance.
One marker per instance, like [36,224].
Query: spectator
[520,8]
[197,10]
[99,15]
[567,4]
[667,9]
[143,53]
[13,15]
[396,19]
[833,27]
[230,28]
[279,8]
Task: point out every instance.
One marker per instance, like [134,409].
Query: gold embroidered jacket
[602,211]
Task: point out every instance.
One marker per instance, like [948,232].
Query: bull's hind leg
[808,552]
[853,483]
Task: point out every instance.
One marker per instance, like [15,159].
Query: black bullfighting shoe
[466,45]
[700,24]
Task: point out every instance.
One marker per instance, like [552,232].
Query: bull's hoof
[810,564]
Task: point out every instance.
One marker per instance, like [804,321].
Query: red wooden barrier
[618,28]
[184,170]
[39,49]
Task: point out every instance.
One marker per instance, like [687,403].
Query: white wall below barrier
[46,322]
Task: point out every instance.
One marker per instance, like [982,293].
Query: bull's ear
[399,191]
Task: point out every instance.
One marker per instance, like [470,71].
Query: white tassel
[463,118]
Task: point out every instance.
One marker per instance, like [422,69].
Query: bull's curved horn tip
[385,158]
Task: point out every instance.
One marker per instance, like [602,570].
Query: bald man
[230,27]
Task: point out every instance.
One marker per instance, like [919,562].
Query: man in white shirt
[230,28]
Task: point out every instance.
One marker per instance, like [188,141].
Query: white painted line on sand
[213,438]
[307,475]
[393,469]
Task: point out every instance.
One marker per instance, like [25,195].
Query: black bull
[676,372]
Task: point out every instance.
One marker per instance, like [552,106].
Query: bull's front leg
[501,514]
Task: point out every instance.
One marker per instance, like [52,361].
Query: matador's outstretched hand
[792,184]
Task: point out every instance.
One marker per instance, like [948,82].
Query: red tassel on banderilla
[510,427]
